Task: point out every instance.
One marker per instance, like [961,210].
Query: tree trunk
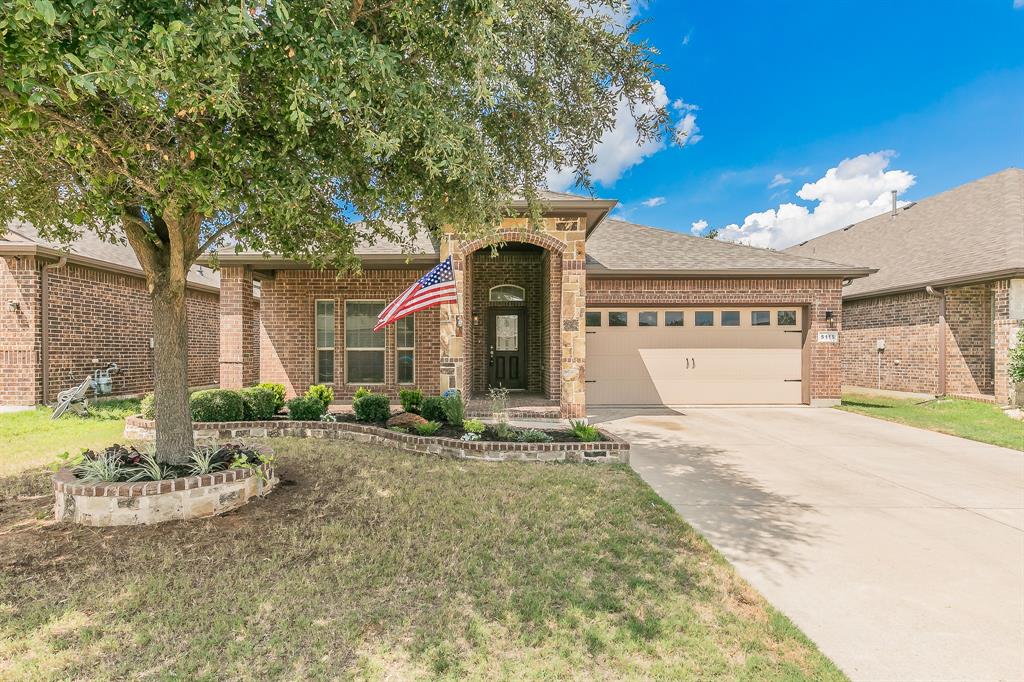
[174,439]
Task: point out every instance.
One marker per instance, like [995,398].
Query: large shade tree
[296,127]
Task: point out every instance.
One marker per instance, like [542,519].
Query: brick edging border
[614,449]
[65,482]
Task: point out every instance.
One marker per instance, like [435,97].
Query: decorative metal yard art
[100,383]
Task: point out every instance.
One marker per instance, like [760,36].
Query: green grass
[370,564]
[965,418]
[31,439]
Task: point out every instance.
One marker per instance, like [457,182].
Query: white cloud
[618,149]
[686,129]
[778,181]
[1018,4]
[698,226]
[856,189]
[689,34]
[653,201]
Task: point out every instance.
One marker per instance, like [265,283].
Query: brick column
[20,331]
[572,385]
[1009,316]
[239,328]
[453,343]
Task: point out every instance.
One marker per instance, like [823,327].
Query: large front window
[325,342]
[405,350]
[364,348]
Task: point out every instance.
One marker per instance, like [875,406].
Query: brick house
[941,313]
[586,310]
[65,312]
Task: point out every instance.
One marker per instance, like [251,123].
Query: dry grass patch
[373,564]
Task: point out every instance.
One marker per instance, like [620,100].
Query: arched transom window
[507,293]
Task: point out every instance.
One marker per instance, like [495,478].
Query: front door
[506,348]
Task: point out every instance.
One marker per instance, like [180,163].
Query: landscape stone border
[612,450]
[145,502]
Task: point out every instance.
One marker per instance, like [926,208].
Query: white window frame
[317,348]
[383,350]
[399,348]
[522,293]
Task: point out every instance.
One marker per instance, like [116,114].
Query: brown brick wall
[907,324]
[816,295]
[95,317]
[287,350]
[521,269]
[1006,334]
[20,379]
[969,340]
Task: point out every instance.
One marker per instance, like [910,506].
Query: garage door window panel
[593,318]
[648,319]
[730,318]
[704,318]
[760,318]
[618,319]
[674,318]
[786,318]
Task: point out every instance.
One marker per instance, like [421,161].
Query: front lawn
[375,564]
[965,418]
[30,439]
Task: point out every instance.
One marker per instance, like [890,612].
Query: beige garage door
[694,356]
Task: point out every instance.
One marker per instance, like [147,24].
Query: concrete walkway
[899,551]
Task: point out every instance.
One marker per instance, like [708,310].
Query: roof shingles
[965,234]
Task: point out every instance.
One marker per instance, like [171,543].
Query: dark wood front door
[506,348]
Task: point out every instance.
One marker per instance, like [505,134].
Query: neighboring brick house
[65,312]
[941,313]
[586,310]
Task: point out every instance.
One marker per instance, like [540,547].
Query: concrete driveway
[899,551]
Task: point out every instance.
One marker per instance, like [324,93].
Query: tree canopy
[296,127]
[280,123]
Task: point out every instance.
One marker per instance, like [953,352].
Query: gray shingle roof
[617,245]
[966,233]
[90,246]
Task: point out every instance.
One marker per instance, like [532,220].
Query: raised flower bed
[609,449]
[121,486]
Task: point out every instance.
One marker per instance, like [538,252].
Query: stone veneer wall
[521,269]
[287,328]
[93,315]
[132,504]
[564,240]
[816,295]
[613,449]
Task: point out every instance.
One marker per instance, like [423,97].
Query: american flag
[434,288]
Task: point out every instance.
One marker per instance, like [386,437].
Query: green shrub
[504,431]
[412,399]
[360,392]
[533,436]
[473,426]
[433,409]
[324,394]
[305,409]
[428,428]
[260,403]
[278,390]
[217,405]
[372,407]
[1017,359]
[454,409]
[148,407]
[585,432]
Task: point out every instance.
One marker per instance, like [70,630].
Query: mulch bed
[449,431]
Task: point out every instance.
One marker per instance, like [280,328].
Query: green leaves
[45,11]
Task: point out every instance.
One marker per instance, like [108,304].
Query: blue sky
[787,90]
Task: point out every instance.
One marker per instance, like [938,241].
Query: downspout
[941,332]
[44,321]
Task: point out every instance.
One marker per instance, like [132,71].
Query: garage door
[694,356]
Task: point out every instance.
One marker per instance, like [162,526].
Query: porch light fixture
[830,317]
